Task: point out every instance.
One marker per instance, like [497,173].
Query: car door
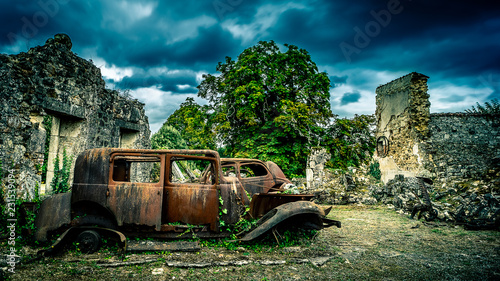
[255,177]
[189,197]
[135,189]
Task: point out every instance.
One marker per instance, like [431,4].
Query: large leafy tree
[350,142]
[193,122]
[168,138]
[269,104]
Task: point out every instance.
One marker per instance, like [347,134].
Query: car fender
[54,213]
[283,212]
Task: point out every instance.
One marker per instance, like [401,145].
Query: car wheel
[88,241]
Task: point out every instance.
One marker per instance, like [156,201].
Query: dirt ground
[374,243]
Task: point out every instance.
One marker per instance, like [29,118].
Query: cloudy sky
[159,50]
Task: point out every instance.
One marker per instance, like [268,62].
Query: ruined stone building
[54,102]
[445,147]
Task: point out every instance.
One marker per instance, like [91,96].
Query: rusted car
[164,194]
[255,175]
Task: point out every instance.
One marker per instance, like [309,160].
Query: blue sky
[159,50]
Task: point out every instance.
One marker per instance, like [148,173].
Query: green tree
[168,137]
[269,104]
[351,142]
[492,107]
[194,123]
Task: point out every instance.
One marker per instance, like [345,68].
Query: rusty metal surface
[92,166]
[278,174]
[176,235]
[263,203]
[169,209]
[330,222]
[234,201]
[191,204]
[96,193]
[282,213]
[138,203]
[54,212]
[271,181]
[141,203]
[69,235]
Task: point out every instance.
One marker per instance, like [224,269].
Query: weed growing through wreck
[60,181]
[288,238]
[47,125]
[222,211]
[243,225]
[374,170]
[25,214]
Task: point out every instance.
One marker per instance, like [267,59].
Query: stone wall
[462,146]
[402,120]
[466,203]
[456,157]
[459,152]
[315,170]
[50,80]
[444,146]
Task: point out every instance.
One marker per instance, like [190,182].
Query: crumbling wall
[458,203]
[315,167]
[460,152]
[443,166]
[50,80]
[445,146]
[462,146]
[402,122]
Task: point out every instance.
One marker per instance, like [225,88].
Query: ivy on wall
[60,181]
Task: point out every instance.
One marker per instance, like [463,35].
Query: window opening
[382,146]
[127,138]
[187,170]
[229,171]
[252,170]
[140,169]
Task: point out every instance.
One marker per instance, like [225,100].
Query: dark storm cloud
[435,34]
[210,47]
[455,43]
[348,98]
[337,80]
[165,81]
[494,95]
[28,21]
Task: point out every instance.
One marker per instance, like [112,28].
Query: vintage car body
[255,175]
[164,194]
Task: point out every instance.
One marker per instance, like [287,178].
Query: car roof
[240,160]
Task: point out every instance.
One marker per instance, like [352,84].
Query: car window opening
[252,170]
[136,169]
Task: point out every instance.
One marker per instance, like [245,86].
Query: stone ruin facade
[441,166]
[458,152]
[445,147]
[402,114]
[315,170]
[51,85]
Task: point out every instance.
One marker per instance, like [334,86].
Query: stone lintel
[127,125]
